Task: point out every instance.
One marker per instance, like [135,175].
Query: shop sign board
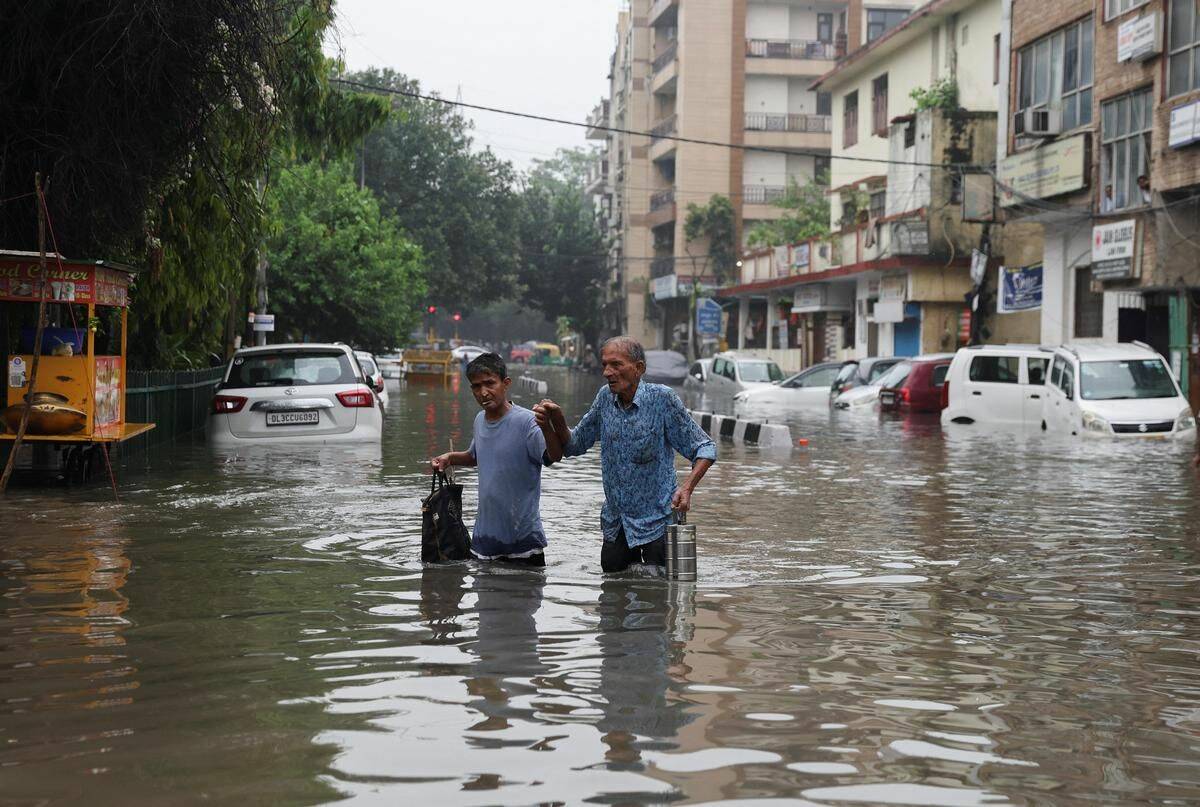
[67,283]
[893,287]
[978,197]
[808,299]
[1020,288]
[1185,125]
[910,237]
[1114,248]
[708,317]
[1057,168]
[1139,37]
[800,255]
[665,287]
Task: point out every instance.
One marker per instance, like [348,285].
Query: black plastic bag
[444,537]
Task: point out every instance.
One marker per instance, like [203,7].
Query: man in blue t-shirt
[509,448]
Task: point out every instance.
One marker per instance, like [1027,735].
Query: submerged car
[921,389]
[666,367]
[863,398]
[371,369]
[860,373]
[997,384]
[807,388]
[733,373]
[308,393]
[698,373]
[1116,390]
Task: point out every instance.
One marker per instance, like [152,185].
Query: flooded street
[887,616]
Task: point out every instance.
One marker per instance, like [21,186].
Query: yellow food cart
[79,402]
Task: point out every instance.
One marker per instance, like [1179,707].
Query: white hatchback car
[1004,384]
[804,389]
[733,373]
[309,393]
[372,370]
[1115,390]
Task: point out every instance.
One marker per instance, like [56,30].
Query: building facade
[1100,145]
[731,72]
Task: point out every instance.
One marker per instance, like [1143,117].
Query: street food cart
[79,403]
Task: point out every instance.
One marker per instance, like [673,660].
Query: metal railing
[662,199]
[790,49]
[664,128]
[176,401]
[763,194]
[788,122]
[667,56]
[661,267]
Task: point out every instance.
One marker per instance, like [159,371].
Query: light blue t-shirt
[509,454]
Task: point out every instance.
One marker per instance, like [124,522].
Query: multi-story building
[733,73]
[893,278]
[1100,145]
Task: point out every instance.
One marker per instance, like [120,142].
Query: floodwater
[888,616]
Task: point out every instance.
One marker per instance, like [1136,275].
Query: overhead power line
[633,132]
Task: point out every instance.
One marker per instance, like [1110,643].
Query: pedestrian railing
[175,401]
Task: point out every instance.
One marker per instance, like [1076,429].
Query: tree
[562,267]
[459,205]
[714,222]
[342,270]
[805,216]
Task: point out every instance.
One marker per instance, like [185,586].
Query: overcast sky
[547,57]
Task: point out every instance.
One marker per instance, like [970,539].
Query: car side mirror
[215,361]
[378,386]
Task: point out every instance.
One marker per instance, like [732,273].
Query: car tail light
[945,394]
[227,404]
[357,398]
[905,394]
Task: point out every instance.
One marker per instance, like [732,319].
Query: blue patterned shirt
[637,457]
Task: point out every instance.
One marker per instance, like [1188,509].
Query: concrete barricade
[764,435]
[530,384]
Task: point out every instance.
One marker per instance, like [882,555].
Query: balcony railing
[664,128]
[763,194]
[667,56]
[788,122]
[662,199]
[661,267]
[790,49]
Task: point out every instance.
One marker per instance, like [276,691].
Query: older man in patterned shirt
[640,426]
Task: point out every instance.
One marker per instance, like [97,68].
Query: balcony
[662,143]
[789,57]
[597,122]
[662,199]
[661,267]
[666,56]
[597,177]
[664,12]
[662,208]
[763,194]
[792,131]
[664,128]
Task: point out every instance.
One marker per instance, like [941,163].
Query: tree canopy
[461,206]
[562,267]
[715,223]
[341,269]
[805,215]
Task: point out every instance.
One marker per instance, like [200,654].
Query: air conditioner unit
[1042,122]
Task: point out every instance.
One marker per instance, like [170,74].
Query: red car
[921,390]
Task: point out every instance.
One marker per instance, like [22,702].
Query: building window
[850,120]
[824,27]
[882,20]
[1125,125]
[1056,73]
[824,103]
[878,204]
[1115,8]
[821,165]
[996,59]
[879,106]
[910,133]
[1183,67]
[1089,306]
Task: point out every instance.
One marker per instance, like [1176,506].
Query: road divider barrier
[764,435]
[531,384]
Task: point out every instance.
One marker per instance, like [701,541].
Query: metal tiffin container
[681,550]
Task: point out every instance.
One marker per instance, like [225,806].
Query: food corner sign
[1057,168]
[68,283]
[1114,250]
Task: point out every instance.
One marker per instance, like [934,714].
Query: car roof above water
[293,346]
[1111,351]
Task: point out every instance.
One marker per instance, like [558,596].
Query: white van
[733,373]
[1115,390]
[997,384]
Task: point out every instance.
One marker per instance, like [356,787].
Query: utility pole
[260,273]
[37,338]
